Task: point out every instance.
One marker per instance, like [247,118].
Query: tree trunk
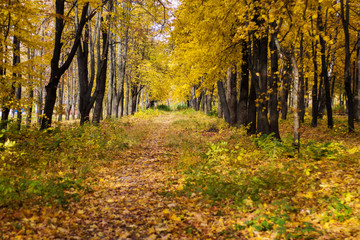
[127,93]
[301,81]
[219,108]
[345,15]
[244,86]
[16,61]
[223,102]
[101,78]
[324,70]
[31,55]
[56,72]
[326,84]
[284,96]
[252,109]
[315,103]
[260,54]
[274,113]
[296,93]
[357,88]
[231,94]
[112,78]
[61,100]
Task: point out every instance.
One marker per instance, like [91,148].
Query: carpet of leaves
[189,176]
[131,198]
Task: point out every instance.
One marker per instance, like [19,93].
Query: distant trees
[279,52]
[117,48]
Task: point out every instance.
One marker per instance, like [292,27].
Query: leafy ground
[179,175]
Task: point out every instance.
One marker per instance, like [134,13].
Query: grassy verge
[278,192]
[51,167]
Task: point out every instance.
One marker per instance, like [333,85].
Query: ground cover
[179,175]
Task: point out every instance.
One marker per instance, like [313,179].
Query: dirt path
[133,197]
[126,204]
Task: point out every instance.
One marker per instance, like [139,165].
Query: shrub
[181,106]
[163,107]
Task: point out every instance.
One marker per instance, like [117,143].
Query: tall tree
[56,70]
[345,18]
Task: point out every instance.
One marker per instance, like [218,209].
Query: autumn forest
[179,119]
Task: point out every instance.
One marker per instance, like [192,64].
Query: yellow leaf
[166,211]
[309,195]
[151,237]
[175,218]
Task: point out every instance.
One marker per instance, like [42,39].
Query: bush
[181,106]
[163,107]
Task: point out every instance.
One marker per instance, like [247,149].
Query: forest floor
[182,175]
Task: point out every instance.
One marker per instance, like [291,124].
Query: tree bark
[16,61]
[315,87]
[260,54]
[345,17]
[284,96]
[324,71]
[244,86]
[31,55]
[223,102]
[301,81]
[252,109]
[231,94]
[357,88]
[296,101]
[274,113]
[57,71]
[101,78]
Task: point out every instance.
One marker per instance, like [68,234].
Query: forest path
[138,193]
[127,204]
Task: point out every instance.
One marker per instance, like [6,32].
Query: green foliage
[213,113]
[282,190]
[49,166]
[316,150]
[181,106]
[58,190]
[163,107]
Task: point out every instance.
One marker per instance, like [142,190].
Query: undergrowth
[294,195]
[51,167]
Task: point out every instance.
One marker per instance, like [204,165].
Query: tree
[56,70]
[345,18]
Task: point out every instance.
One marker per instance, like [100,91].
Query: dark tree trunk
[324,73]
[112,77]
[16,61]
[274,113]
[85,87]
[61,100]
[357,88]
[101,79]
[223,102]
[5,109]
[244,86]
[252,110]
[127,95]
[345,15]
[260,54]
[231,94]
[302,82]
[135,90]
[315,88]
[56,71]
[119,105]
[284,96]
[219,108]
